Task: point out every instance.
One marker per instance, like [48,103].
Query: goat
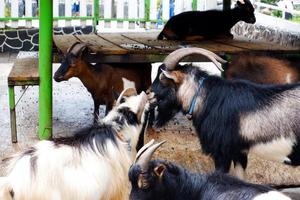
[92,165]
[163,180]
[262,70]
[102,79]
[193,25]
[231,118]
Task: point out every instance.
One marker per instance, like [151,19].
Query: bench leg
[13,125]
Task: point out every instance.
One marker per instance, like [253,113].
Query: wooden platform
[144,47]
[24,72]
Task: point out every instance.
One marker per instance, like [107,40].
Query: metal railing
[138,13]
[24,13]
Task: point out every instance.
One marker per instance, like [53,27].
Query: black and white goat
[231,117]
[163,180]
[91,165]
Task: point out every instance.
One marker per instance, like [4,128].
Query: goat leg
[222,163]
[108,107]
[96,111]
[240,165]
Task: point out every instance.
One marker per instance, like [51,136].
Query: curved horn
[175,57]
[145,154]
[76,48]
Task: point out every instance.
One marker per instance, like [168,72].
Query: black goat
[210,24]
[163,180]
[231,117]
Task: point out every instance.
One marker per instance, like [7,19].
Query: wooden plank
[68,11]
[107,9]
[153,9]
[14,12]
[24,70]
[2,13]
[63,42]
[141,9]
[99,45]
[120,9]
[166,9]
[28,12]
[167,45]
[254,45]
[128,44]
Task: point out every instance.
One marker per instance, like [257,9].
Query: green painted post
[147,10]
[45,70]
[194,4]
[12,109]
[96,14]
[226,4]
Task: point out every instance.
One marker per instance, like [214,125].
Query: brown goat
[262,69]
[102,80]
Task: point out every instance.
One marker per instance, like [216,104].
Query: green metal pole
[96,14]
[226,4]
[12,109]
[194,4]
[147,10]
[45,69]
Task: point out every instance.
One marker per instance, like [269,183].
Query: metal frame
[45,69]
[45,62]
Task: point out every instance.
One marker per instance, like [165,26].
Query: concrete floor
[72,110]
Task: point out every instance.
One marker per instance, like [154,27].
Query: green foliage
[296,19]
[276,13]
[269,1]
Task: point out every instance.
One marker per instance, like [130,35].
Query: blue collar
[193,103]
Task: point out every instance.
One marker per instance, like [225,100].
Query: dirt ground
[72,109]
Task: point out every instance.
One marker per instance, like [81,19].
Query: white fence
[18,13]
[119,13]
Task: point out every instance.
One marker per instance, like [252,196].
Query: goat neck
[190,90]
[89,77]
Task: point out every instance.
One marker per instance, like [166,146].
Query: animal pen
[141,19]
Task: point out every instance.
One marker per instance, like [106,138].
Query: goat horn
[77,47]
[176,56]
[145,153]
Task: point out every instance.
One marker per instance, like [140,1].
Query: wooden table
[23,73]
[143,47]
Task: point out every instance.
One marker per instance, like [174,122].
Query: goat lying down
[102,79]
[193,25]
[91,165]
[230,117]
[163,180]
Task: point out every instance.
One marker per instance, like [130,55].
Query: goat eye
[122,100]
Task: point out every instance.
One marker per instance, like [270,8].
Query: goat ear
[170,75]
[130,92]
[83,52]
[159,170]
[116,94]
[240,2]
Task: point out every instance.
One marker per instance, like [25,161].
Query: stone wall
[270,29]
[27,39]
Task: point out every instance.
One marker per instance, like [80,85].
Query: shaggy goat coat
[176,183]
[235,117]
[163,180]
[91,165]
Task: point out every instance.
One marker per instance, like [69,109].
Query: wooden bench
[23,73]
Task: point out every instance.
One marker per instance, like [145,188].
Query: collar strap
[193,103]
